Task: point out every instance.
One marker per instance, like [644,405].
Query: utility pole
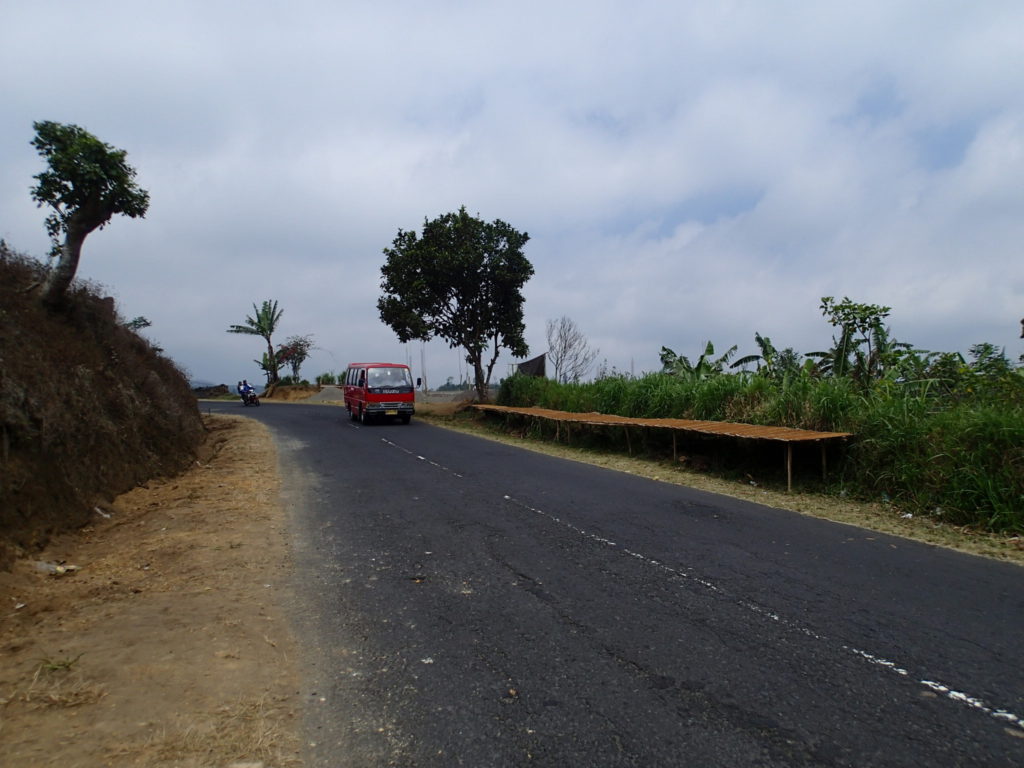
[423,365]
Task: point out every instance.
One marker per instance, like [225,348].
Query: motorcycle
[250,398]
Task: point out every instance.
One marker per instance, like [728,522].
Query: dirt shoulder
[164,642]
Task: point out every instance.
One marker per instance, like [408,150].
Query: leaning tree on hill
[86,184]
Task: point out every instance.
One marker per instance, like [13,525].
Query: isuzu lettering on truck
[379,391]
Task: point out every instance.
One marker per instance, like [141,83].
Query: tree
[568,350]
[865,349]
[263,324]
[680,365]
[886,354]
[294,352]
[765,361]
[271,369]
[771,363]
[989,360]
[87,182]
[858,325]
[461,281]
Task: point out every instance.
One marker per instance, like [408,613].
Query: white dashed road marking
[936,687]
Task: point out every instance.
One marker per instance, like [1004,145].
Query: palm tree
[263,324]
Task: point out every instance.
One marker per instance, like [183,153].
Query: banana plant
[706,365]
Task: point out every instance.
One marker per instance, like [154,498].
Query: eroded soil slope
[88,409]
[164,642]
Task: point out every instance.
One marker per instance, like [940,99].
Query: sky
[686,171]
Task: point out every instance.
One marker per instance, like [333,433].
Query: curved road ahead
[463,602]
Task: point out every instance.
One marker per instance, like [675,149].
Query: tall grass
[963,464]
[955,455]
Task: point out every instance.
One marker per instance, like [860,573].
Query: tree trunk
[478,376]
[63,272]
[77,228]
[490,368]
[272,363]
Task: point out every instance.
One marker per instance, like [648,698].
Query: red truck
[379,391]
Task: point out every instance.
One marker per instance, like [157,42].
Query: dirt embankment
[88,410]
[155,636]
[142,553]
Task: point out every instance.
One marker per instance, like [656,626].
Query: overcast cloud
[686,171]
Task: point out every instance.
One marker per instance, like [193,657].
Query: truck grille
[406,406]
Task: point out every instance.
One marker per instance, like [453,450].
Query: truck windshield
[389,378]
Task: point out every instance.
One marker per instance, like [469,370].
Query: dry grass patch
[54,686]
[249,730]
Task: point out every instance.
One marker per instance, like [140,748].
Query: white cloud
[686,171]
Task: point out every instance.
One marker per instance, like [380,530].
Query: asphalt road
[463,602]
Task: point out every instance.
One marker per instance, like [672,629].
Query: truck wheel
[364,417]
[405,418]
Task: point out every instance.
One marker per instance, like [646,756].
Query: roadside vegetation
[935,434]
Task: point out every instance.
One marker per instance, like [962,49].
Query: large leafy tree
[461,280]
[86,183]
[263,323]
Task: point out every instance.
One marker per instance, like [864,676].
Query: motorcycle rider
[246,390]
